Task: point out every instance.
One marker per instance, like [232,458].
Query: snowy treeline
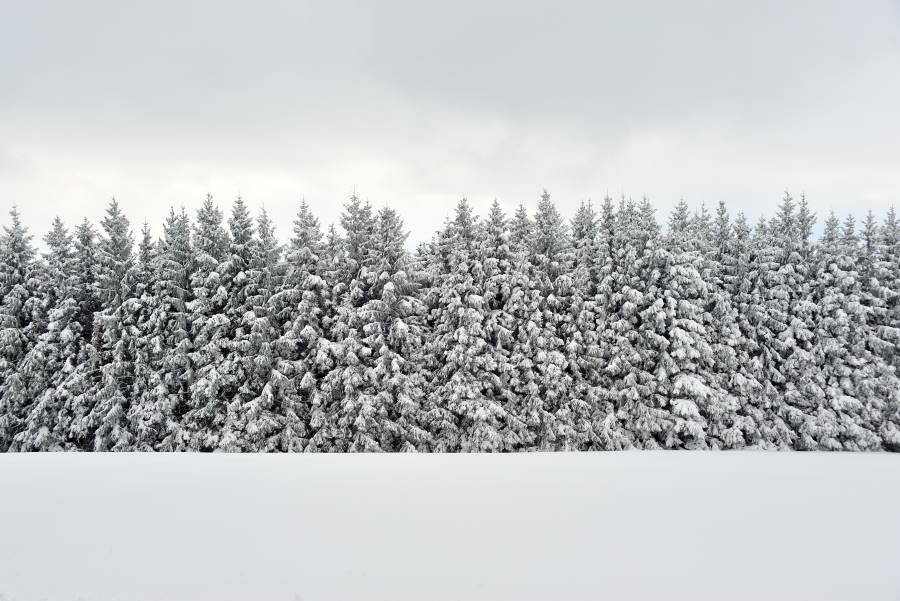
[503,333]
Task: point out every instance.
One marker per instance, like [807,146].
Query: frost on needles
[503,333]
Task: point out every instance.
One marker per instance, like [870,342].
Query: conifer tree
[467,369]
[352,417]
[214,419]
[86,268]
[301,351]
[261,413]
[115,255]
[496,335]
[56,350]
[161,352]
[17,256]
[210,327]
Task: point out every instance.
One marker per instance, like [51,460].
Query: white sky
[416,104]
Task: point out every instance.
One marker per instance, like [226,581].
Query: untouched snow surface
[671,526]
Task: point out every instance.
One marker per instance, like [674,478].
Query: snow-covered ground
[670,526]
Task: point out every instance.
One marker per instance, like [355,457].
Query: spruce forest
[615,329]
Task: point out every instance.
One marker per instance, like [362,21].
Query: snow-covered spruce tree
[521,305]
[136,311]
[638,330]
[782,333]
[535,353]
[115,253]
[352,416]
[304,257]
[580,332]
[464,367]
[262,413]
[301,351]
[734,351]
[615,334]
[551,273]
[48,286]
[160,348]
[502,269]
[889,258]
[879,270]
[674,337]
[99,420]
[210,327]
[879,289]
[86,270]
[842,416]
[885,327]
[435,257]
[56,352]
[709,241]
[520,229]
[76,390]
[214,419]
[373,390]
[17,266]
[57,266]
[54,357]
[392,328]
[620,298]
[803,390]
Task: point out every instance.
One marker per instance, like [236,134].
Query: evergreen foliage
[503,333]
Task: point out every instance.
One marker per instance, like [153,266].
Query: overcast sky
[416,104]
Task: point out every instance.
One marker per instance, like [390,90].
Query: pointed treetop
[58,241]
[240,225]
[268,250]
[146,246]
[832,229]
[849,231]
[584,224]
[680,217]
[307,233]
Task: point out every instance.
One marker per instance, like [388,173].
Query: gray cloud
[416,104]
